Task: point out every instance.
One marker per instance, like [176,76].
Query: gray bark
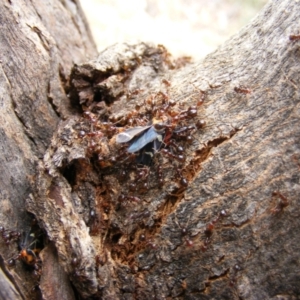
[40,41]
[232,232]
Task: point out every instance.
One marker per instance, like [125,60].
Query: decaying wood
[233,231]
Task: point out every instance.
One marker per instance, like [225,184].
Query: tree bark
[40,41]
[221,223]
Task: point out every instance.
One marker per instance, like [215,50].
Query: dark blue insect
[142,136]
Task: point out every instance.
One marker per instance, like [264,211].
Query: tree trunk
[40,41]
[211,212]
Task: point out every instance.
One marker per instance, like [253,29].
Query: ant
[101,259]
[176,147]
[142,174]
[200,124]
[77,271]
[166,105]
[125,198]
[179,157]
[189,113]
[97,134]
[183,132]
[294,37]
[130,93]
[148,242]
[160,176]
[29,248]
[185,234]
[108,128]
[200,101]
[166,82]
[203,95]
[9,235]
[90,116]
[242,90]
[182,180]
[283,202]
[209,229]
[152,244]
[141,178]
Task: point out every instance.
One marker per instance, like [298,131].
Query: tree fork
[232,232]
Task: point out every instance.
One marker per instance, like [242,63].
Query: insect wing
[130,133]
[143,140]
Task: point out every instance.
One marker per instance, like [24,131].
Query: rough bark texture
[221,224]
[40,41]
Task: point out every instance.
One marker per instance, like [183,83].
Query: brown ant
[122,158]
[183,132]
[9,236]
[144,187]
[142,174]
[132,187]
[123,199]
[74,261]
[178,148]
[166,82]
[200,124]
[97,134]
[179,157]
[90,116]
[146,242]
[122,175]
[242,90]
[166,105]
[152,245]
[101,259]
[129,93]
[141,177]
[77,269]
[294,37]
[202,97]
[160,176]
[209,229]
[283,202]
[189,113]
[108,128]
[185,234]
[200,101]
[182,180]
[140,185]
